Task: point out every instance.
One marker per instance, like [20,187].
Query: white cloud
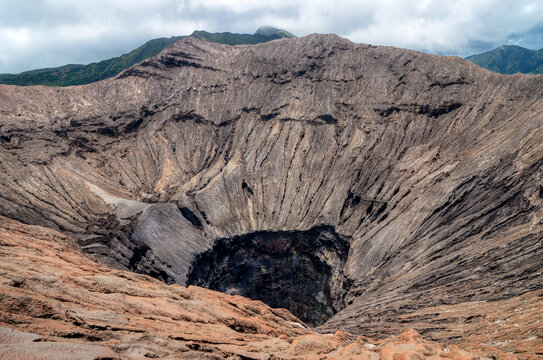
[43,33]
[237,7]
[444,26]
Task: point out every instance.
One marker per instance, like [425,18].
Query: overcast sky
[46,33]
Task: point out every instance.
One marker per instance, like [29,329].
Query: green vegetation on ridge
[263,34]
[510,59]
[85,74]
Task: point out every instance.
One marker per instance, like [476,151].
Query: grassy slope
[509,59]
[84,74]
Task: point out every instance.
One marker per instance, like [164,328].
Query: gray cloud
[46,33]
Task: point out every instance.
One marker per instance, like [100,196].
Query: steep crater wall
[431,165]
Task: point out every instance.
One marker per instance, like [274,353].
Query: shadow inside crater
[301,271]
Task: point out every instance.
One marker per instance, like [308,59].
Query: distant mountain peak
[270,31]
[510,59]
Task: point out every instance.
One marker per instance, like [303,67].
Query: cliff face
[430,167]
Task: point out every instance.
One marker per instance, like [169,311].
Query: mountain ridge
[78,74]
[510,59]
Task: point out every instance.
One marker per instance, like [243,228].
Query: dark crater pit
[301,271]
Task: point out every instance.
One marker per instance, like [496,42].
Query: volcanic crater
[354,185]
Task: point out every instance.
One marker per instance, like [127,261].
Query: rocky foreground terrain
[368,190]
[58,304]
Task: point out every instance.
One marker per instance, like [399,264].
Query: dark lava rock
[297,270]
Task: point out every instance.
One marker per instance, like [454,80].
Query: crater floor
[301,271]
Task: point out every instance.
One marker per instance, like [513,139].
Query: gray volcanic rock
[432,166]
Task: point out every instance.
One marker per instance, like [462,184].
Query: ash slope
[431,165]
